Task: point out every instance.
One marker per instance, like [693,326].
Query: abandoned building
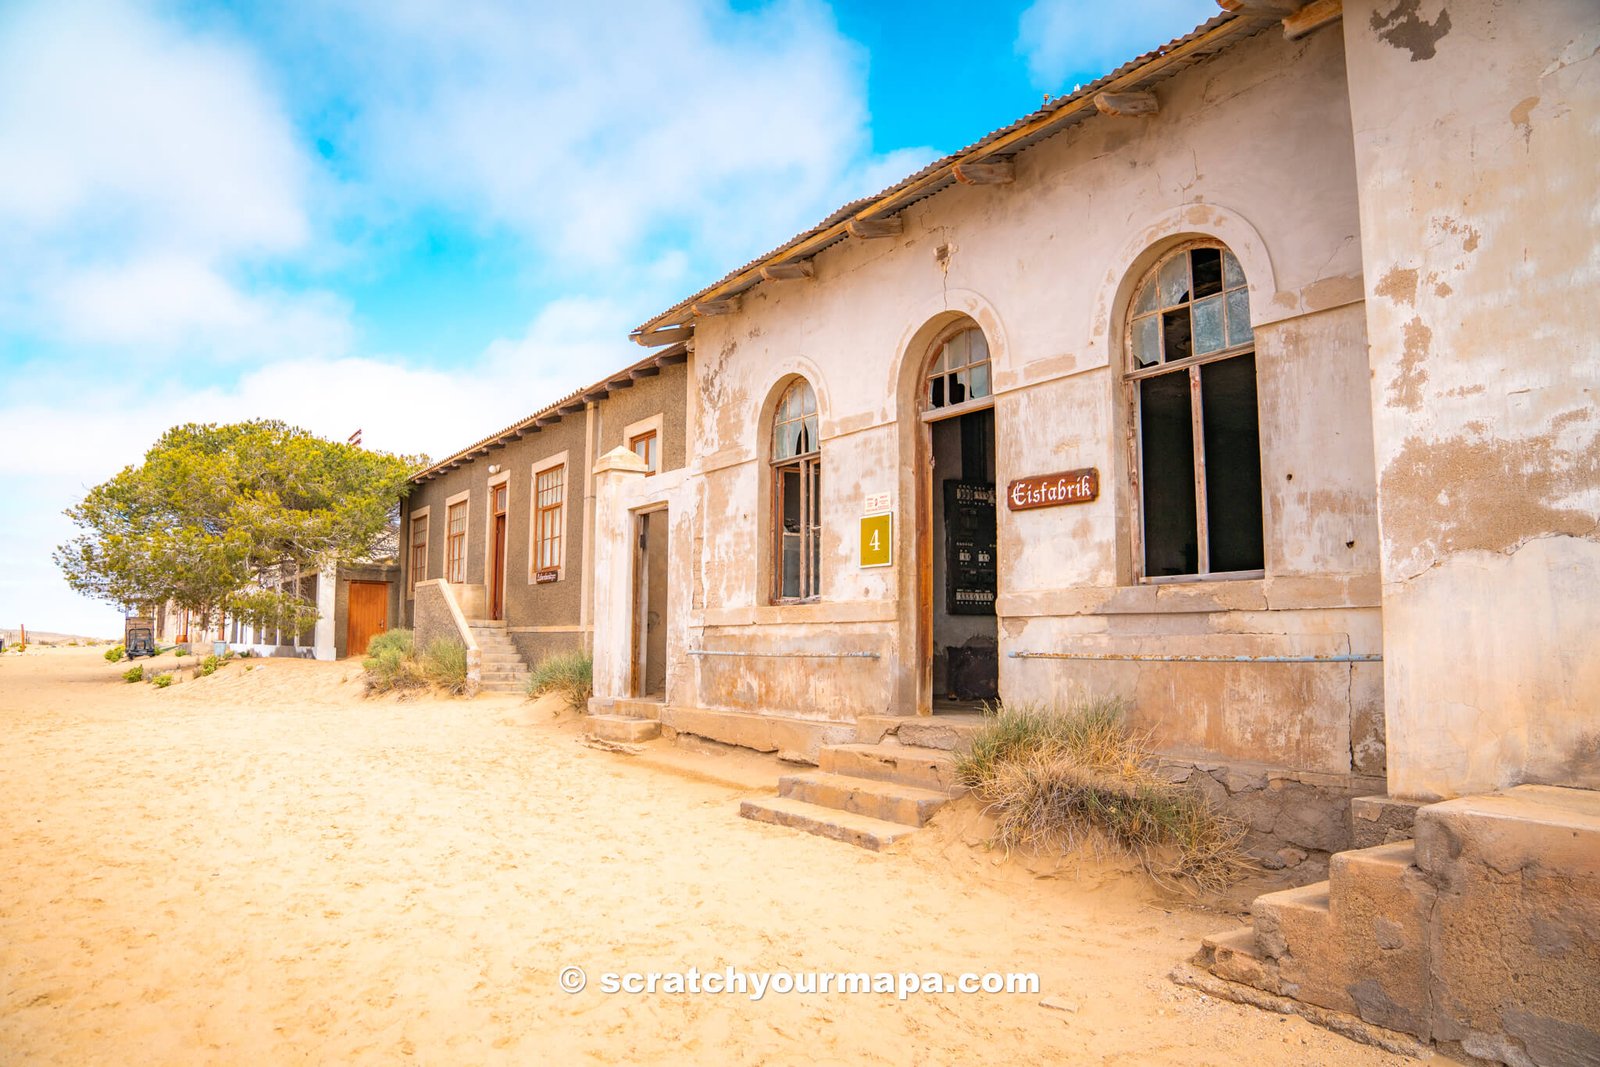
[1244,383]
[497,539]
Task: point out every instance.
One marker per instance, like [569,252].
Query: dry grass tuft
[1061,780]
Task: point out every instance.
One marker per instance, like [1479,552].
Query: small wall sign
[1053,490]
[544,576]
[877,502]
[877,539]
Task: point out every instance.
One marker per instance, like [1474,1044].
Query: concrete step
[908,805]
[622,728]
[638,707]
[518,678]
[1234,956]
[859,830]
[925,767]
[501,659]
[501,687]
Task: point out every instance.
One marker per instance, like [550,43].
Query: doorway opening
[497,551]
[962,642]
[649,660]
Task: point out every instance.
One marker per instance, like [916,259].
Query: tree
[216,518]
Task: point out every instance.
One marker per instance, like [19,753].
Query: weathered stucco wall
[1477,148]
[1255,151]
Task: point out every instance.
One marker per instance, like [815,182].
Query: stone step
[859,830]
[926,767]
[1381,906]
[500,687]
[499,658]
[622,728]
[1294,930]
[508,677]
[908,805]
[1234,956]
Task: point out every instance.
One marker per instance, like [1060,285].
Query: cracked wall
[1477,149]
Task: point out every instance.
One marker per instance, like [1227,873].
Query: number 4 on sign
[877,540]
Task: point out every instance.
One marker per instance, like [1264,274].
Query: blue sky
[428,219]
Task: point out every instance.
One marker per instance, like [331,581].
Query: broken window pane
[1239,331]
[1233,463]
[980,380]
[1175,340]
[936,392]
[1147,339]
[1145,302]
[1207,263]
[1174,281]
[1166,437]
[1232,273]
[1208,324]
[977,346]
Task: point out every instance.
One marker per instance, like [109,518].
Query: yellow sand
[261,867]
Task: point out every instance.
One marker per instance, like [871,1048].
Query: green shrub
[133,674]
[444,663]
[571,674]
[390,664]
[209,665]
[161,681]
[1057,779]
[115,653]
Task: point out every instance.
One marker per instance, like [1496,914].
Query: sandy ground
[261,867]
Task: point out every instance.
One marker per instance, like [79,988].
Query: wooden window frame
[1190,366]
[945,409]
[414,572]
[549,524]
[808,468]
[455,544]
[652,458]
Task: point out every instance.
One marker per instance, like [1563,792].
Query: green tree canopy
[215,515]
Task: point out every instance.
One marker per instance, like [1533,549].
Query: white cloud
[1080,40]
[594,127]
[143,166]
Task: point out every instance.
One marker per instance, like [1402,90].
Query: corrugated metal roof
[573,401]
[1138,74]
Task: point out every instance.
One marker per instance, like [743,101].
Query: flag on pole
[355,438]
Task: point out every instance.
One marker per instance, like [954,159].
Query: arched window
[796,495]
[959,371]
[1192,372]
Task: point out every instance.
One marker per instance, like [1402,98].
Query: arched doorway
[958,566]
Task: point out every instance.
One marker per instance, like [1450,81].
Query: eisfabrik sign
[1052,490]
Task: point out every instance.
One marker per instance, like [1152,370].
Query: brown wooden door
[369,615]
[497,557]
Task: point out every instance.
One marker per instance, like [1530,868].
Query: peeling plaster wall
[1478,150]
[1254,149]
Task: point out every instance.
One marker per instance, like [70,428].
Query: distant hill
[46,638]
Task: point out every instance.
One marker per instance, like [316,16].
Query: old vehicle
[139,637]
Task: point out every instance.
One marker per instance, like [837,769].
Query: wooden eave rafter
[677,324]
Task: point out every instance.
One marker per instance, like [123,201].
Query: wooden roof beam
[1277,9]
[1313,16]
[671,359]
[1127,105]
[644,372]
[870,228]
[549,418]
[667,335]
[707,308]
[1000,173]
[783,272]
